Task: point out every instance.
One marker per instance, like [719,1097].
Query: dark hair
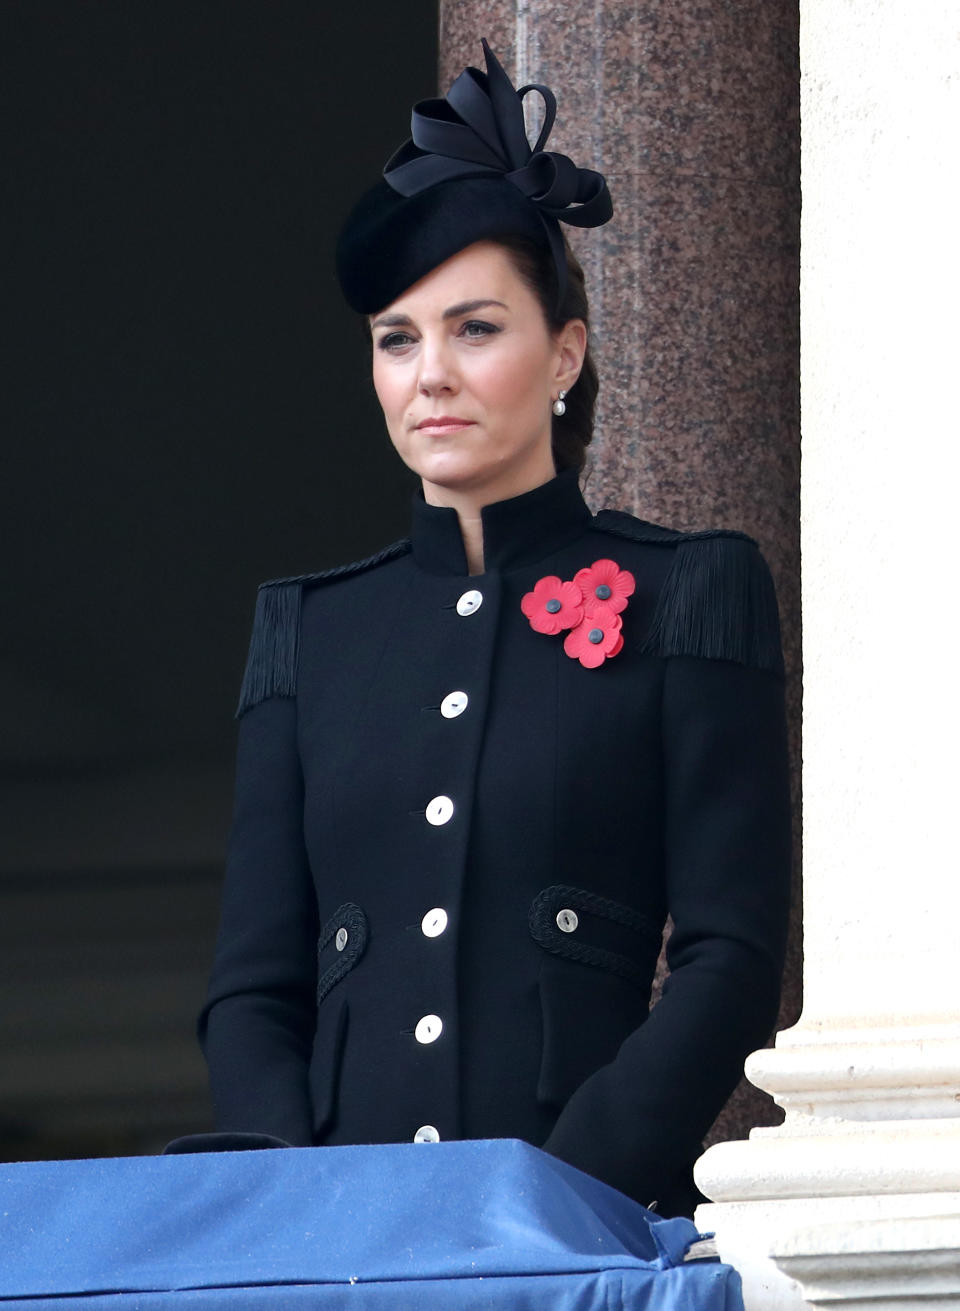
[573,432]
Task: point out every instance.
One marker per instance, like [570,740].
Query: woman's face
[466,369]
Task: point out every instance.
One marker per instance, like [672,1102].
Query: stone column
[691,110]
[857,1194]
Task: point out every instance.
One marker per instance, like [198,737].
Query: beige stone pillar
[856,1198]
[691,110]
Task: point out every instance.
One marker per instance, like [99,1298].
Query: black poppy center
[595,635]
[553,606]
[603,592]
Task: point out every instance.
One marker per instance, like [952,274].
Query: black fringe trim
[274,645]
[274,653]
[718,599]
[718,602]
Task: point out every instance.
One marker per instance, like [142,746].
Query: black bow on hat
[468,174]
[479,128]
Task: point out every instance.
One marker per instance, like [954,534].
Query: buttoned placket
[454,710]
[417,729]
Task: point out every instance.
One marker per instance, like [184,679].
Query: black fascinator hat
[467,174]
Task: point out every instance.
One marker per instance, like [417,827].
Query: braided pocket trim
[351,919]
[546,932]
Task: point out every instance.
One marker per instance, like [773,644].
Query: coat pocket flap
[342,943]
[597,931]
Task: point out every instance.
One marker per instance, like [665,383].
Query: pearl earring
[559,408]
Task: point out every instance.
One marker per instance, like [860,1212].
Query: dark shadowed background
[185,412]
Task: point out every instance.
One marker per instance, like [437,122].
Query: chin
[457,475]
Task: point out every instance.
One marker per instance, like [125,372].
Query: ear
[571,342]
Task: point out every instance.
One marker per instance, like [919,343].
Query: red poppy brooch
[587,609]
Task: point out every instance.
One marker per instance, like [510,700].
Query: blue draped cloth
[495,1224]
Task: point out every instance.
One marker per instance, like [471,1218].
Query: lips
[443,423]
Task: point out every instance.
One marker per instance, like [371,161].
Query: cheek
[513,386]
[389,392]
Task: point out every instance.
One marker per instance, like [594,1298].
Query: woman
[477,770]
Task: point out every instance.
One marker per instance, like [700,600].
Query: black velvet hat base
[222,1142]
[390,241]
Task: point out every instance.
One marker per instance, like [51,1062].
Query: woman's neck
[469,517]
[469,513]
[471,529]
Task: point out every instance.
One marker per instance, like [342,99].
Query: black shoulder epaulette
[717,600]
[639,530]
[275,642]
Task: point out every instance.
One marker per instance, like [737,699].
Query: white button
[341,939]
[453,704]
[426,1134]
[434,922]
[439,810]
[428,1029]
[470,602]
[567,921]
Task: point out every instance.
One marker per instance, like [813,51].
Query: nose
[437,374]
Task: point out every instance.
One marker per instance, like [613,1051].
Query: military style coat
[455,846]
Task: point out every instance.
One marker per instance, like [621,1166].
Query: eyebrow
[454,312]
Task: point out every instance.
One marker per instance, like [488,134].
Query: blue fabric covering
[451,1225]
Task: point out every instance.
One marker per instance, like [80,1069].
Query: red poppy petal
[575,640]
[626,583]
[541,622]
[547,587]
[608,611]
[605,571]
[569,617]
[593,657]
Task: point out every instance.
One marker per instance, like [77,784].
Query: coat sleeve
[257,1026]
[637,1122]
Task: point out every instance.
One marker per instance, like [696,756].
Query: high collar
[516,532]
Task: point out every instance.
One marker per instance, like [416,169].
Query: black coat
[655,783]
